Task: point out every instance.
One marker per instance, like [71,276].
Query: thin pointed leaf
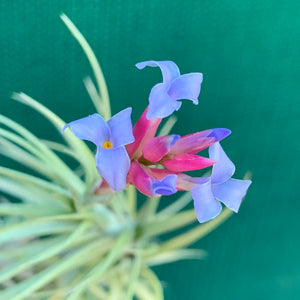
[167,127]
[31,210]
[53,172]
[164,225]
[35,146]
[21,248]
[58,147]
[133,277]
[19,155]
[34,181]
[143,291]
[94,94]
[78,145]
[154,283]
[30,229]
[102,88]
[177,205]
[98,292]
[148,209]
[22,142]
[32,195]
[26,287]
[44,254]
[195,234]
[132,199]
[48,294]
[98,270]
[26,134]
[173,256]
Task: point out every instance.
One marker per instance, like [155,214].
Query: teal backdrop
[248,52]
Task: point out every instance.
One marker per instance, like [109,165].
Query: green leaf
[22,142]
[62,148]
[99,269]
[143,291]
[35,282]
[30,229]
[31,210]
[195,234]
[77,145]
[153,282]
[133,277]
[26,134]
[33,195]
[31,247]
[21,156]
[98,292]
[132,199]
[174,255]
[163,225]
[54,172]
[165,130]
[52,294]
[39,183]
[176,206]
[45,253]
[102,88]
[148,209]
[116,290]
[38,149]
[94,94]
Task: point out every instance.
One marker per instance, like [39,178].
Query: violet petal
[161,105]
[231,192]
[121,128]
[113,165]
[224,168]
[186,86]
[168,68]
[206,206]
[92,128]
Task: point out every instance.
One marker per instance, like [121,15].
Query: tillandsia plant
[79,234]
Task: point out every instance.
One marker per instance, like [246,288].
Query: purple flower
[110,137]
[219,186]
[163,98]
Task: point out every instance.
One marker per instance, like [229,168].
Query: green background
[248,52]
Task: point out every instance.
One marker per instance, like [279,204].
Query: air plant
[78,233]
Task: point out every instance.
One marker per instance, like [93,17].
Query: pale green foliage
[59,239]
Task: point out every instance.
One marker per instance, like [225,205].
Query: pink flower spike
[143,131]
[196,142]
[160,173]
[158,147]
[141,177]
[187,162]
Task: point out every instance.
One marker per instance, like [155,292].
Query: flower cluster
[155,165]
